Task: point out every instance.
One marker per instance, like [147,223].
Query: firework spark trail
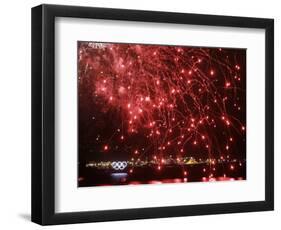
[175,97]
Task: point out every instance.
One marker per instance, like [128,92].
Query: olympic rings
[119,165]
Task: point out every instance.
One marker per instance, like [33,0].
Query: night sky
[155,101]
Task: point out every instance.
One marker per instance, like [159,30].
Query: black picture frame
[43,114]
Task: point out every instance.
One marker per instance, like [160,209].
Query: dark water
[167,174]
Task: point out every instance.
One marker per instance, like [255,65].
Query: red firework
[171,101]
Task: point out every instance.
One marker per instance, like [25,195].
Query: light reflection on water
[184,180]
[123,177]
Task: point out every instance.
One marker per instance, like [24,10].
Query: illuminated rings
[119,165]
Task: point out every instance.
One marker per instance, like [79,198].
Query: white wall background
[15,113]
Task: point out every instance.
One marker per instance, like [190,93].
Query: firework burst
[155,101]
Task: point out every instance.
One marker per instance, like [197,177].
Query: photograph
[156,114]
[140,114]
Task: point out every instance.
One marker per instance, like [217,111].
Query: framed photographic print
[141,114]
